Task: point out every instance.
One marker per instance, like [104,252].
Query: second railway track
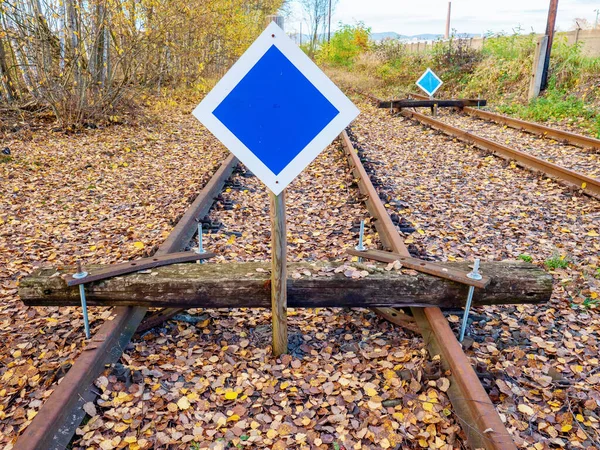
[564,160]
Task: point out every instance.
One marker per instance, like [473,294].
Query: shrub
[345,46]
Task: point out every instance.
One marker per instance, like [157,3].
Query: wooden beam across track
[472,406]
[408,103]
[567,137]
[57,419]
[589,185]
[246,285]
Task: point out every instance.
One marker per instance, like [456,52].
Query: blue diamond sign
[275,109]
[429,82]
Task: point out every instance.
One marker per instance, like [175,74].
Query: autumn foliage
[81,59]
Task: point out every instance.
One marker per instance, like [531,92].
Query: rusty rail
[568,137]
[473,408]
[589,185]
[57,419]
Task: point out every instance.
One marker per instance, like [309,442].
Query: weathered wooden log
[234,285]
[407,103]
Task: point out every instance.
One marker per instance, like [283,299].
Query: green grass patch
[557,262]
[525,258]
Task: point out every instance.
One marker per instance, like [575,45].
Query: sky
[412,17]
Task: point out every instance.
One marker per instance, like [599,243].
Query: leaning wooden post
[278,273]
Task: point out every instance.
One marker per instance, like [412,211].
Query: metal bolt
[79,275]
[200,246]
[360,247]
[474,275]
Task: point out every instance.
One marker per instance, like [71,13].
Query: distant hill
[389,35]
[416,37]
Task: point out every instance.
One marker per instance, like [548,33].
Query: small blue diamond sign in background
[429,82]
[275,110]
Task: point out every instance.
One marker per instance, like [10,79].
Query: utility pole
[550,33]
[447,35]
[329,28]
[597,11]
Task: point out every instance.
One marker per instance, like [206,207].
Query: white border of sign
[423,76]
[347,110]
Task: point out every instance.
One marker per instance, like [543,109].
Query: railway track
[575,179]
[55,423]
[474,409]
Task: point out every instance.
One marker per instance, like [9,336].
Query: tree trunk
[5,77]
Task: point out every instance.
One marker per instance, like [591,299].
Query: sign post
[276,111]
[278,260]
[278,273]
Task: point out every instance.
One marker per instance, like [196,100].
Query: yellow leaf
[139,245]
[577,368]
[233,418]
[284,385]
[583,185]
[389,374]
[271,433]
[231,395]
[428,406]
[370,392]
[420,231]
[192,396]
[592,233]
[120,427]
[580,417]
[92,248]
[183,403]
[130,439]
[566,428]
[172,407]
[526,409]
[565,230]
